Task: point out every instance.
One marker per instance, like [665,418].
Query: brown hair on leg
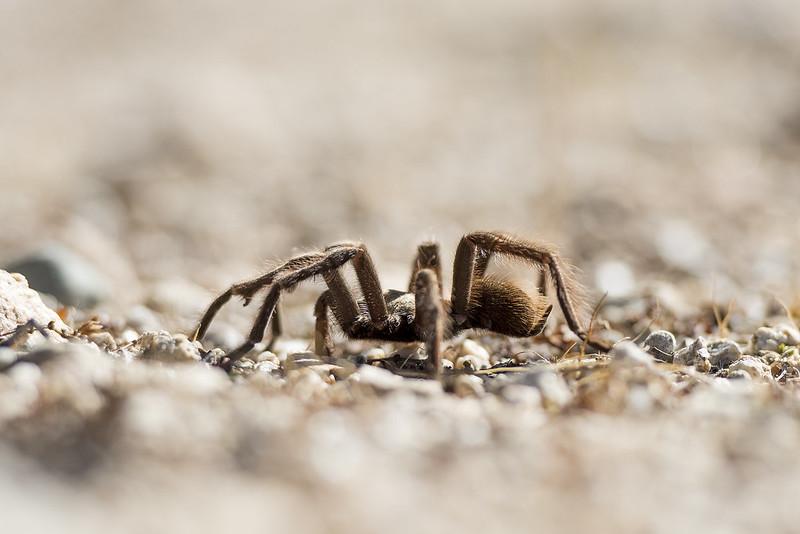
[429,317]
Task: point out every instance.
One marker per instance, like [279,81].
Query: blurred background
[152,152]
[174,147]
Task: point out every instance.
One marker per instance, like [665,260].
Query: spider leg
[342,302]
[544,256]
[276,328]
[322,336]
[248,289]
[429,317]
[368,280]
[428,257]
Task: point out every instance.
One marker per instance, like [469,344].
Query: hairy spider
[421,314]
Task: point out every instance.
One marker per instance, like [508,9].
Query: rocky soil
[154,152]
[109,427]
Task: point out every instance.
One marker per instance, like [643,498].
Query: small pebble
[163,347]
[268,356]
[767,338]
[723,353]
[752,366]
[468,386]
[661,344]
[470,347]
[470,362]
[374,354]
[104,341]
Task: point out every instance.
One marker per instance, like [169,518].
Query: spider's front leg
[249,288]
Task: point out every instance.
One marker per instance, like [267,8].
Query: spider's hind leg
[428,257]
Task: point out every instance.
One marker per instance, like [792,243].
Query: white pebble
[470,347]
[468,386]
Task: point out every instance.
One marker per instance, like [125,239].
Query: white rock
[20,304]
[161,346]
[468,386]
[471,362]
[752,366]
[268,356]
[375,353]
[470,347]
[767,338]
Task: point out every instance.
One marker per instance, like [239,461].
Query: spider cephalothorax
[421,314]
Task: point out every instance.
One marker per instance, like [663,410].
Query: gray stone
[752,366]
[163,347]
[695,354]
[723,353]
[767,338]
[661,344]
[57,271]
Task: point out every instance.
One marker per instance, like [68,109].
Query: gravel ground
[156,152]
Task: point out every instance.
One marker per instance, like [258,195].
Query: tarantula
[421,314]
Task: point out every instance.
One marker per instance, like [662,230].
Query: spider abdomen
[504,308]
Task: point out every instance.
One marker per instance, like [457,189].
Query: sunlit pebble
[752,366]
[468,386]
[767,338]
[471,362]
[447,364]
[724,352]
[473,348]
[702,365]
[129,335]
[104,341]
[284,347]
[268,356]
[375,353]
[267,366]
[661,344]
